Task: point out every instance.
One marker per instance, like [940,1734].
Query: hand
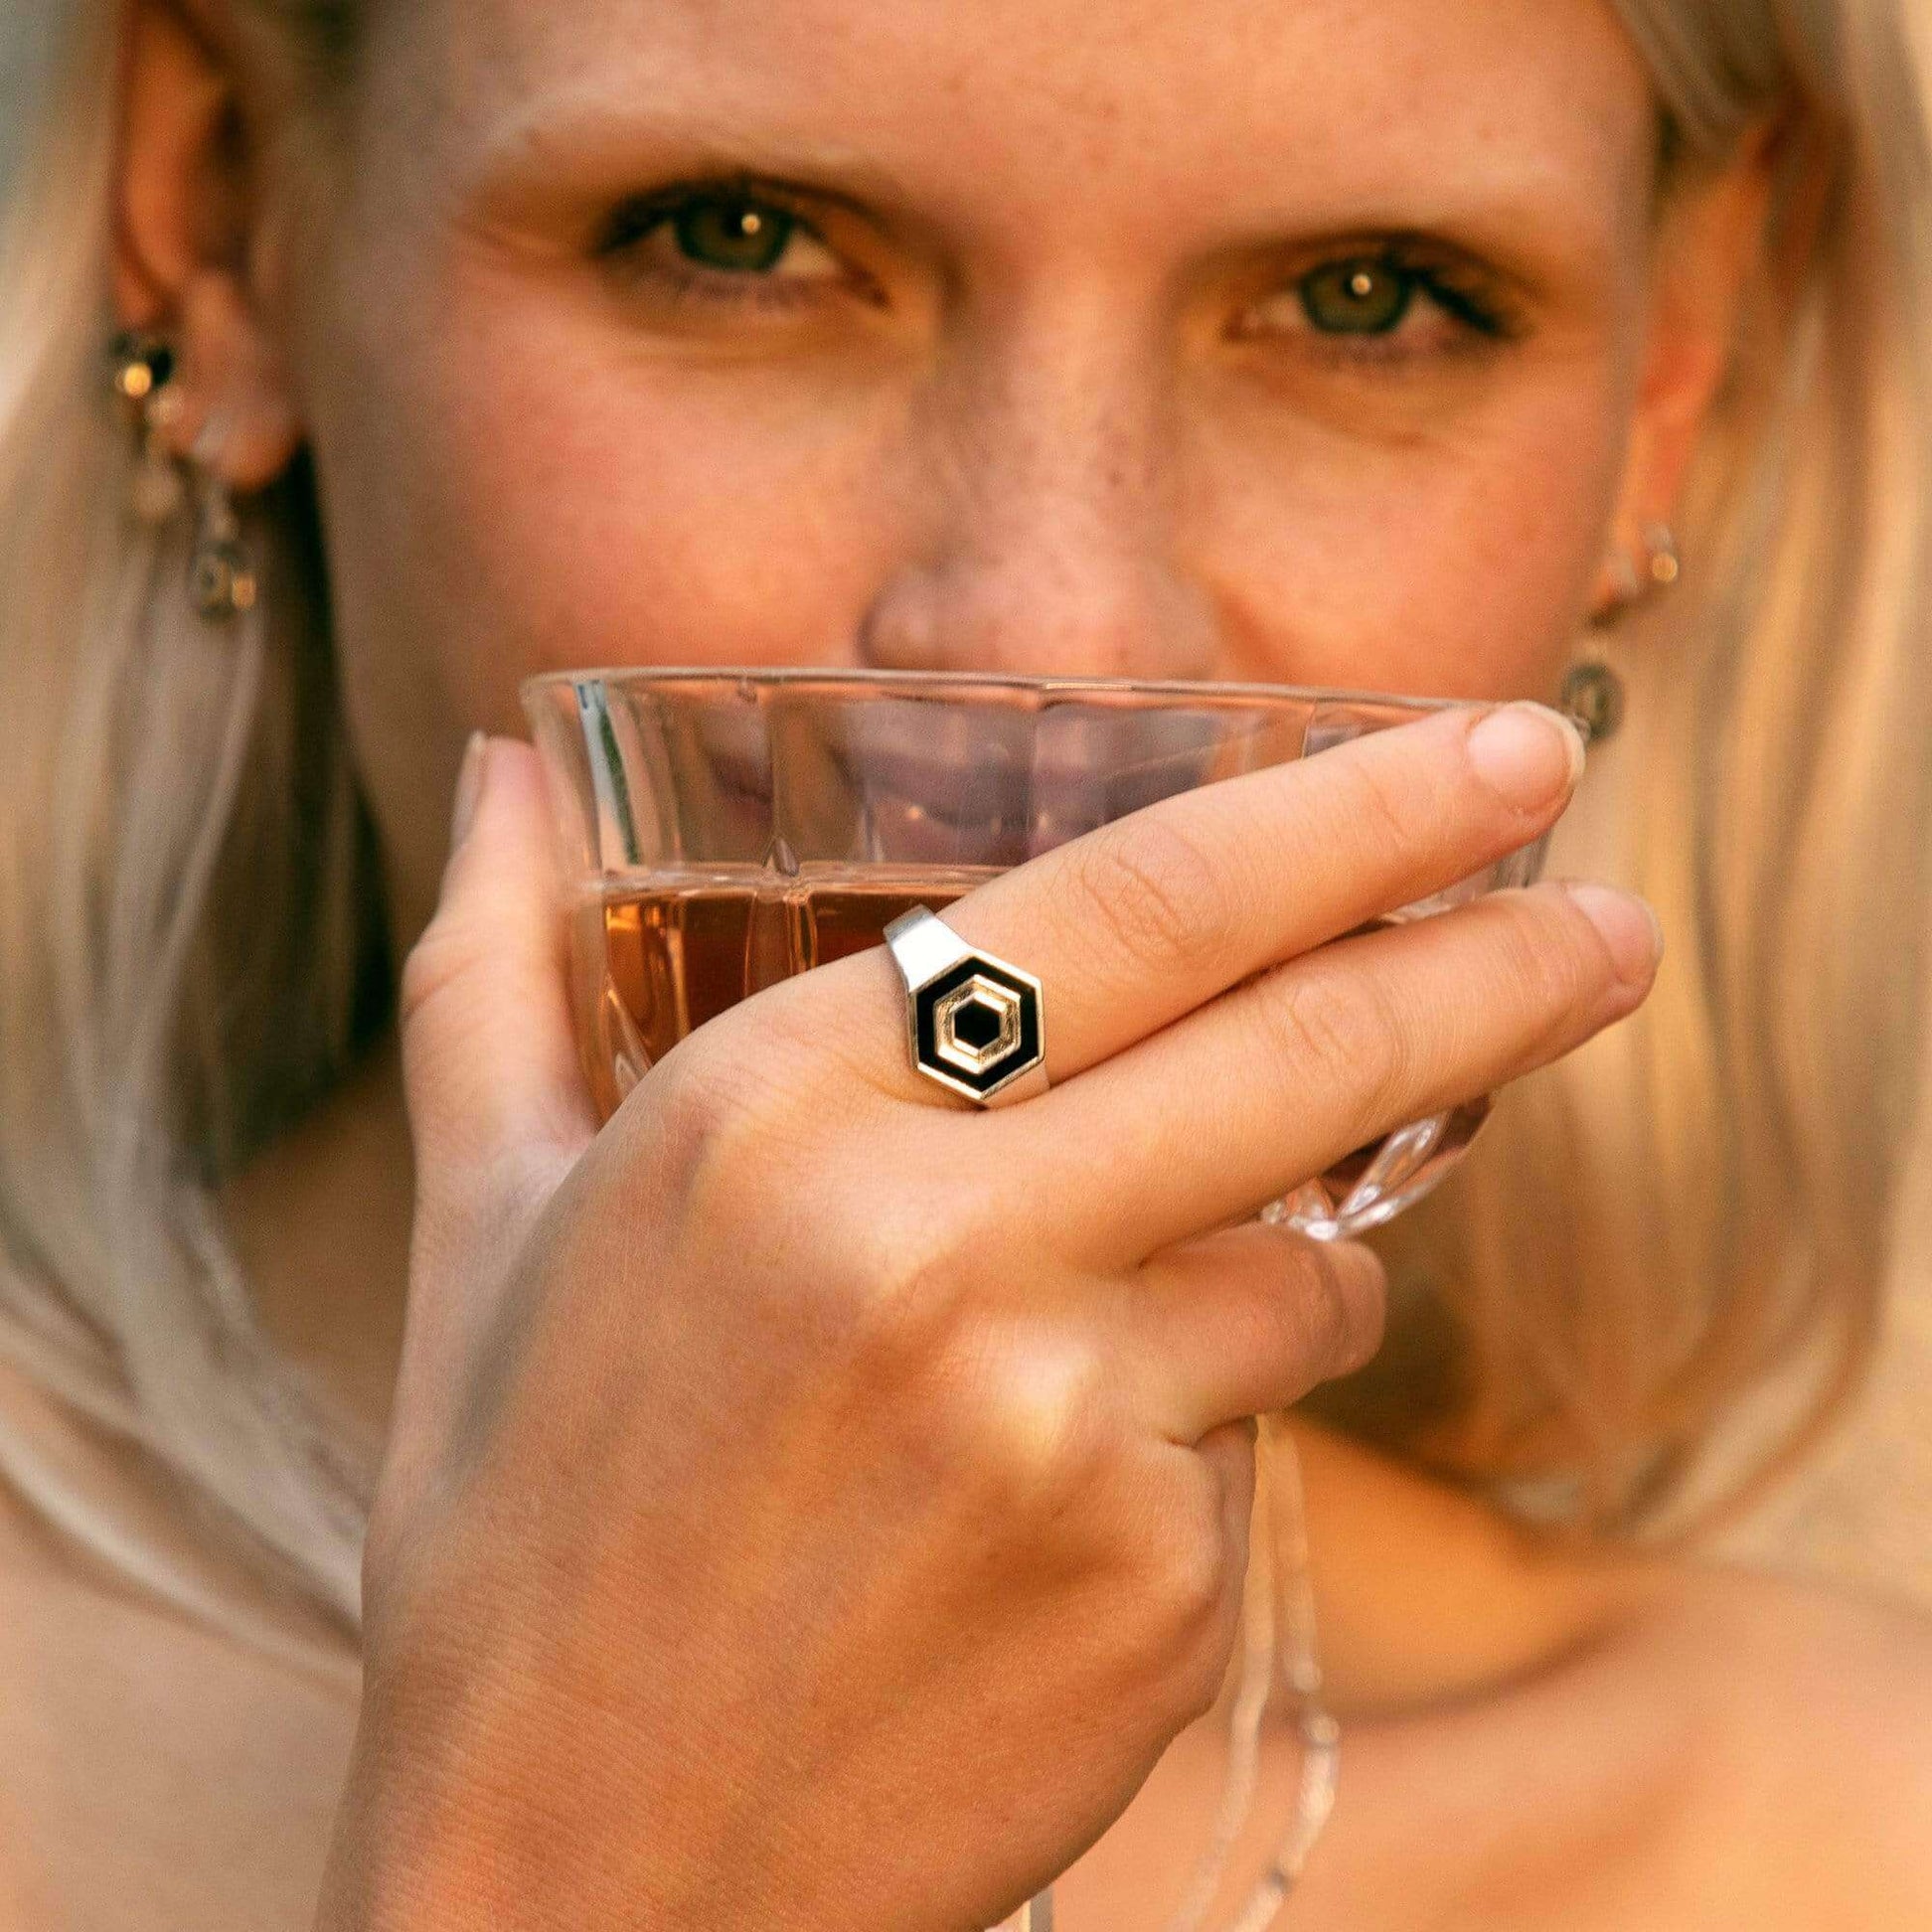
[811,1502]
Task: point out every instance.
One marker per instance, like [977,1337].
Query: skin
[1043,395]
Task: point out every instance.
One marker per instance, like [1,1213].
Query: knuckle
[762,1100]
[1035,1416]
[862,1262]
[1194,1576]
[1552,959]
[1154,895]
[886,1292]
[1341,1029]
[1013,1425]
[1382,804]
[700,1113]
[898,1280]
[712,1133]
[439,960]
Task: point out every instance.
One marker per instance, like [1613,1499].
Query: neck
[1421,1594]
[321,1222]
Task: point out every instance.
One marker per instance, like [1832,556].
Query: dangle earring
[222,577]
[222,581]
[1593,693]
[144,366]
[220,573]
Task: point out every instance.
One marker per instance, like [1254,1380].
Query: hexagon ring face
[974,1024]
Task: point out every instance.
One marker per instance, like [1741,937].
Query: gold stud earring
[1661,562]
[143,364]
[1632,580]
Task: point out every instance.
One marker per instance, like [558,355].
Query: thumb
[497,1102]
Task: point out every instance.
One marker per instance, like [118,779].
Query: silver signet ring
[973,1022]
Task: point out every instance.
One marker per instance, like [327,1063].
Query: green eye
[739,237]
[1365,297]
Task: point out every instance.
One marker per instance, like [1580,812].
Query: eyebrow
[583,134]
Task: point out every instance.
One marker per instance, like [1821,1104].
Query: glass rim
[942,683]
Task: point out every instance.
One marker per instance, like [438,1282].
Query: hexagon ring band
[974,1024]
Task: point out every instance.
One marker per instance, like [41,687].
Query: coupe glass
[722,829]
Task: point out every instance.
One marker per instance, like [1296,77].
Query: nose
[1047,482]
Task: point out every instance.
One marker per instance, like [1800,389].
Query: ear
[1709,241]
[182,243]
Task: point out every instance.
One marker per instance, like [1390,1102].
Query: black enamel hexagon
[977,1024]
[1025,1055]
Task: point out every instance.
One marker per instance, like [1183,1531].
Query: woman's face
[1298,339]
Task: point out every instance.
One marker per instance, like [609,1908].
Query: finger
[1138,923]
[1238,1103]
[495,1094]
[1246,1321]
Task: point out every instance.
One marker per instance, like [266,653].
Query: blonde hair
[190,946]
[1715,1183]
[188,915]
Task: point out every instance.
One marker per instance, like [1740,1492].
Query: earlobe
[234,408]
[181,234]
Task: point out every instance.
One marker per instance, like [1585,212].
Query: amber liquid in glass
[681,947]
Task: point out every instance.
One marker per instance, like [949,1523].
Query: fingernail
[1629,927]
[469,788]
[1527,753]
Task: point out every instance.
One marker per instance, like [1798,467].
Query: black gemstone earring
[1594,695]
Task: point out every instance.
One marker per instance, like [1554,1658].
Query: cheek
[579,506]
[1457,563]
